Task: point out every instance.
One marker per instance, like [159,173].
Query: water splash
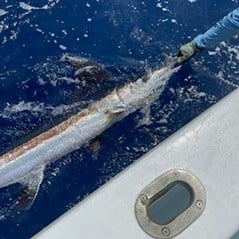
[37,108]
[49,5]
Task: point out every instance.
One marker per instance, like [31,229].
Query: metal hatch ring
[157,191]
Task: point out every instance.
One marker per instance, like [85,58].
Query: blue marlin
[26,163]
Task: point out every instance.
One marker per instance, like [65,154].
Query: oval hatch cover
[170,204]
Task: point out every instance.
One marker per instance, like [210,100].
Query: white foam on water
[50,4]
[3,12]
[62,47]
[37,108]
[69,80]
[22,106]
[163,6]
[9,18]
[27,7]
[225,80]
[230,69]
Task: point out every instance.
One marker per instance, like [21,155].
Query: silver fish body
[28,160]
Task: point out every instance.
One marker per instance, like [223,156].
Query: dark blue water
[127,36]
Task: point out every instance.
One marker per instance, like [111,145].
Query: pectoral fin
[95,145]
[29,188]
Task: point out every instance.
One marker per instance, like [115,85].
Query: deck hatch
[170,204]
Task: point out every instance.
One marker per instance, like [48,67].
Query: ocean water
[129,37]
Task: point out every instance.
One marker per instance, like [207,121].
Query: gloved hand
[187,51]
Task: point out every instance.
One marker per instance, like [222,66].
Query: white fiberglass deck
[208,147]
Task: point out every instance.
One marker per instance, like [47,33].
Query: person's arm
[224,29]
